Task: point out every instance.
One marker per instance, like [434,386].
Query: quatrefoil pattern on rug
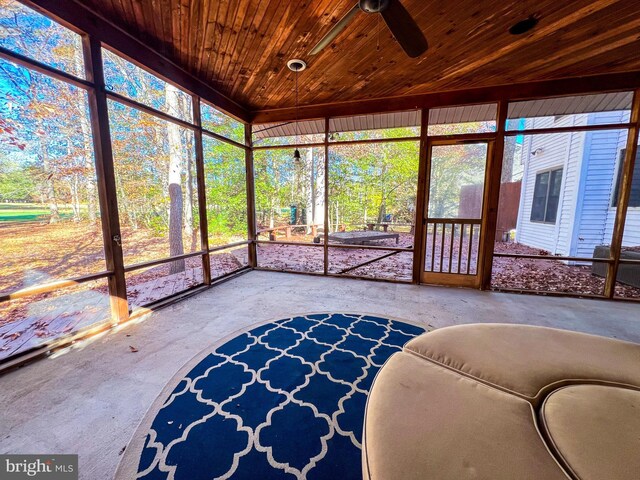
[282,401]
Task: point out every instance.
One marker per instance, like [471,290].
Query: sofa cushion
[529,361]
[595,430]
[424,421]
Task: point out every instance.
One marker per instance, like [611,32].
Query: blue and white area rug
[284,400]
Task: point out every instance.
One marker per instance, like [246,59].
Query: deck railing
[452,245]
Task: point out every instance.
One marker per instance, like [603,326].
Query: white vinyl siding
[553,151]
[590,161]
[597,185]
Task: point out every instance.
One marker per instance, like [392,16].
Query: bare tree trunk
[126,211]
[92,207]
[275,196]
[310,190]
[271,209]
[50,191]
[507,162]
[87,140]
[74,187]
[176,246]
[382,209]
[90,181]
[318,217]
[189,231]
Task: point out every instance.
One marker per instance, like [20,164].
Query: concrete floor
[90,400]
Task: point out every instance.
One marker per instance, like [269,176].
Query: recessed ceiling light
[296,65]
[523,26]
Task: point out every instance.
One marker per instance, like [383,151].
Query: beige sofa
[505,402]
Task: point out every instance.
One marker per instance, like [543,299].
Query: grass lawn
[29,212]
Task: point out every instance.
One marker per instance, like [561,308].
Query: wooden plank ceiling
[241,47]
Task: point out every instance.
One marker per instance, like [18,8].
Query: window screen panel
[540,197]
[553,198]
[634,197]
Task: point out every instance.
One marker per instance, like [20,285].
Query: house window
[634,197]
[546,196]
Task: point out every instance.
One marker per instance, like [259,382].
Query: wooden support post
[326,196]
[419,230]
[105,175]
[287,232]
[251,198]
[202,192]
[314,230]
[494,173]
[623,196]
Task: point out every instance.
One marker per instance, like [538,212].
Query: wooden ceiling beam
[77,15]
[518,91]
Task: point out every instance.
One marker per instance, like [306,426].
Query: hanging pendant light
[296,66]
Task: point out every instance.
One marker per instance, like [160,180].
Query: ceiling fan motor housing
[373,6]
[296,65]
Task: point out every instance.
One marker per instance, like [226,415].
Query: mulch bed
[508,273]
[309,259]
[548,275]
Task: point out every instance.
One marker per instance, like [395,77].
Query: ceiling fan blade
[337,28]
[405,29]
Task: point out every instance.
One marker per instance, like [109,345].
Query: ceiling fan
[402,26]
